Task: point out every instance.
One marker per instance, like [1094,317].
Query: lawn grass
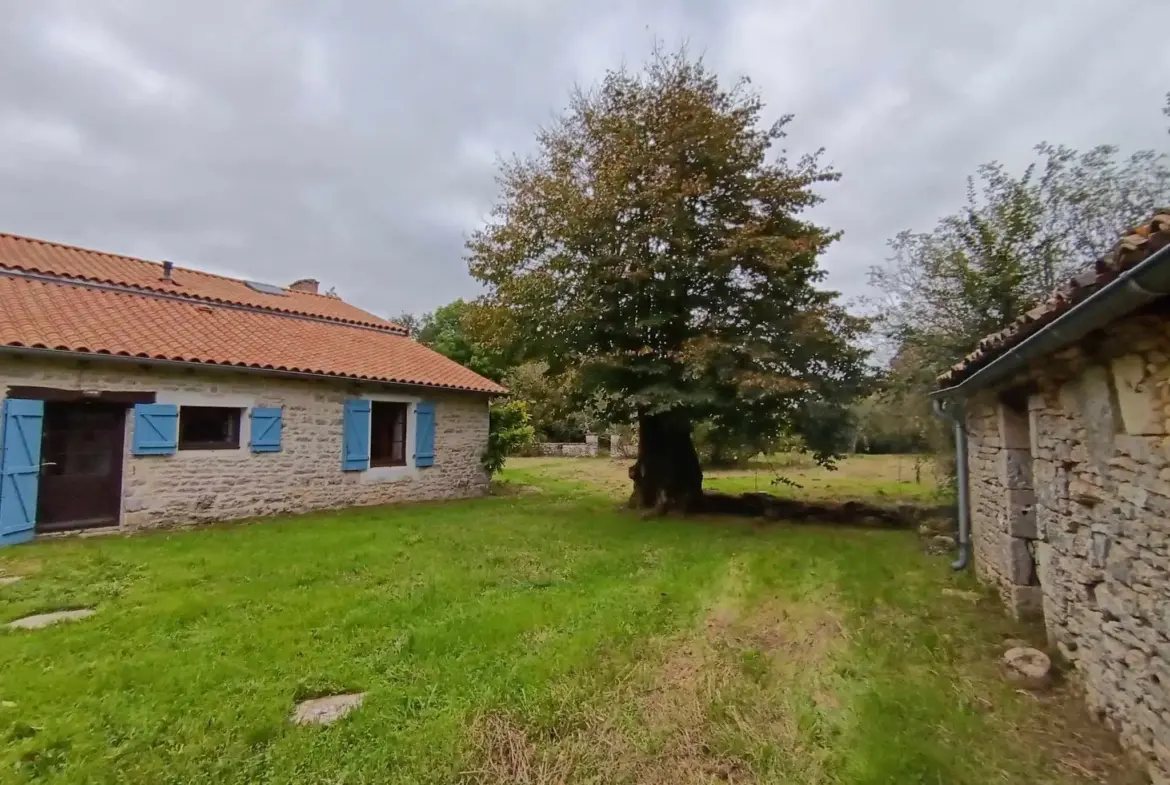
[894,478]
[538,637]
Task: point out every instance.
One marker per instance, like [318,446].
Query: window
[387,434]
[209,428]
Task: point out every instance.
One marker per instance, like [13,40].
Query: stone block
[1021,513]
[1021,566]
[1026,602]
[1044,563]
[1098,549]
[1136,396]
[1013,428]
[1095,413]
[1017,469]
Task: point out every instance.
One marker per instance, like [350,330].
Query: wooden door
[81,465]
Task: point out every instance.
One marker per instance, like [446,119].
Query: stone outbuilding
[138,394]
[1064,461]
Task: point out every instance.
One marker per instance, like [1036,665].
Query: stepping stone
[327,710]
[8,580]
[47,619]
[1030,668]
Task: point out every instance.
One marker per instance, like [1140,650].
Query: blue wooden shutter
[266,428]
[20,468]
[424,434]
[156,429]
[355,437]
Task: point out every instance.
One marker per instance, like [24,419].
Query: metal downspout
[964,501]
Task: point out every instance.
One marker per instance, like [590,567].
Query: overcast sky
[355,142]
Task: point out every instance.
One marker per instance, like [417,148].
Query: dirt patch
[717,701]
[1079,747]
[779,508]
[506,488]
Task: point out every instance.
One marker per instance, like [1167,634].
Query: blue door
[20,468]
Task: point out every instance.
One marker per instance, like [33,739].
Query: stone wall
[566,449]
[1070,479]
[199,486]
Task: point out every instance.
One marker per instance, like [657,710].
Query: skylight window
[265,288]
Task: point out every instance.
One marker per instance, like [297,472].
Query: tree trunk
[667,475]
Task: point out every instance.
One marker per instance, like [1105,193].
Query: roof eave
[1140,285]
[271,372]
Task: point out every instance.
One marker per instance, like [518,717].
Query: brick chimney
[309,285]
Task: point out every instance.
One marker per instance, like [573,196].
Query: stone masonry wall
[216,485]
[1003,500]
[566,449]
[1097,538]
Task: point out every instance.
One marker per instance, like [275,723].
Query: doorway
[81,465]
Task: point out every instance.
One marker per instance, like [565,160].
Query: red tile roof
[67,261]
[63,298]
[1134,246]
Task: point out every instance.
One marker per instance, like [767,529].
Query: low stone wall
[622,448]
[1070,479]
[565,449]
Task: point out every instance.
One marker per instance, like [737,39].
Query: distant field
[872,477]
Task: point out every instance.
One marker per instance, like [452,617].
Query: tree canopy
[654,245]
[1018,235]
[1016,238]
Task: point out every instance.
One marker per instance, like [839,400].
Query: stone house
[136,394]
[1063,433]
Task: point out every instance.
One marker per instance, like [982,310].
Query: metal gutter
[1140,285]
[65,354]
[964,501]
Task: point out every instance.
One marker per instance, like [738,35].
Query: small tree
[453,330]
[653,244]
[1009,246]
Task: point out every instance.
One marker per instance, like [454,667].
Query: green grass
[539,637]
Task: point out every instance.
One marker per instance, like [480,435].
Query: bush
[509,430]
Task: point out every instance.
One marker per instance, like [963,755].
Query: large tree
[654,244]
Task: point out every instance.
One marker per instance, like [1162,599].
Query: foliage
[508,431]
[1016,238]
[653,245]
[408,320]
[1009,246]
[553,401]
[460,331]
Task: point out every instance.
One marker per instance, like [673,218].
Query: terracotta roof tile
[134,320]
[40,256]
[1134,246]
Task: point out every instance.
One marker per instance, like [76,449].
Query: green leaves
[653,246]
[508,431]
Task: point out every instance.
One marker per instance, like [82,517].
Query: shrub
[509,429]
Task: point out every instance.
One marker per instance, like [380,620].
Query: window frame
[187,445]
[401,417]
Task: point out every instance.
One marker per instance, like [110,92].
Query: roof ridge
[376,321]
[185,297]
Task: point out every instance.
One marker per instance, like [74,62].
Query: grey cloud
[355,142]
